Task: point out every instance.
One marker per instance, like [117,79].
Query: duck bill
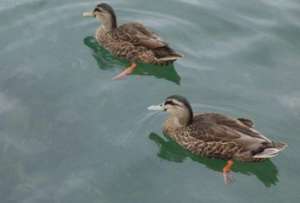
[88,14]
[160,107]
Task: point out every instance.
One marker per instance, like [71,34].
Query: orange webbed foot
[125,72]
[227,174]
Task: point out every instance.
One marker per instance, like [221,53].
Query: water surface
[68,133]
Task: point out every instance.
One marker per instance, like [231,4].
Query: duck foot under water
[227,174]
[125,72]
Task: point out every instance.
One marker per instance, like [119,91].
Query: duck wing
[246,122]
[209,132]
[223,131]
[241,125]
[139,35]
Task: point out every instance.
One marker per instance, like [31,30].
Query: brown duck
[216,135]
[131,41]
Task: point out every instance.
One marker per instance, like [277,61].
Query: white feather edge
[268,153]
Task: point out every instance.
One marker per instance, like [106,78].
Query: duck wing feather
[231,138]
[219,127]
[139,35]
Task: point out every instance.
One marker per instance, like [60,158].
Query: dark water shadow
[106,61]
[265,171]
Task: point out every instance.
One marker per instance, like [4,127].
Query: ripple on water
[44,17]
[6,103]
[150,18]
[203,3]
[61,107]
[38,23]
[12,4]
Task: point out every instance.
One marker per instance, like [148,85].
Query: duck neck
[181,120]
[109,23]
[109,26]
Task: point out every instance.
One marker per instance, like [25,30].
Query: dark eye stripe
[170,102]
[97,9]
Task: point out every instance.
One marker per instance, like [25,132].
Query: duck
[215,135]
[131,41]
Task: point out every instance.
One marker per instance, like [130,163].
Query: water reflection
[106,61]
[169,150]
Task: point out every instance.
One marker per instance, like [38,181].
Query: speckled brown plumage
[127,42]
[132,41]
[216,135]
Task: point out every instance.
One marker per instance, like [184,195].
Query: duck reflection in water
[106,61]
[169,150]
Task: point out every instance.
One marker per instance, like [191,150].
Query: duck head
[178,107]
[105,14]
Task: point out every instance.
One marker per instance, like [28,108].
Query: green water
[68,133]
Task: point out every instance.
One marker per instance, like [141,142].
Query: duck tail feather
[169,58]
[280,145]
[272,151]
[179,55]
